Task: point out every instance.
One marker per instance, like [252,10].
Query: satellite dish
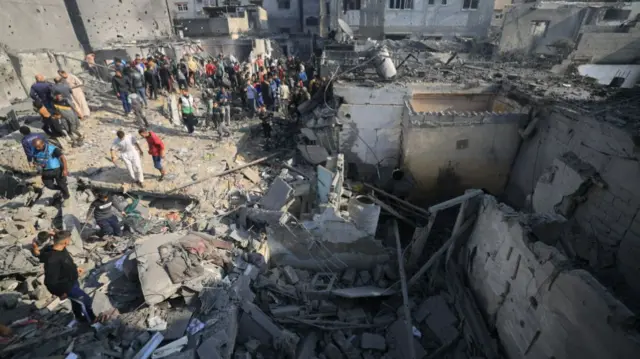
[345,27]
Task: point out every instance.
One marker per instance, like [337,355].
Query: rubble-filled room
[209,187]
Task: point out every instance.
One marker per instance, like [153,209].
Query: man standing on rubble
[122,86]
[156,150]
[42,91]
[61,276]
[27,142]
[252,97]
[53,164]
[186,106]
[139,85]
[224,100]
[76,92]
[130,152]
[102,210]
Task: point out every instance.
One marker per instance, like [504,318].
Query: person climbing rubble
[76,92]
[42,91]
[61,276]
[53,164]
[156,150]
[137,105]
[103,213]
[130,153]
[27,142]
[67,113]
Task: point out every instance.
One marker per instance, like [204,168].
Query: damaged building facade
[402,18]
[601,38]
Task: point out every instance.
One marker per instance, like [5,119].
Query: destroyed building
[402,18]
[428,201]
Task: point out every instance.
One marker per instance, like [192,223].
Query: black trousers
[190,121]
[53,179]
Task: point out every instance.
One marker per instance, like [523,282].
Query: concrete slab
[561,185]
[277,195]
[313,154]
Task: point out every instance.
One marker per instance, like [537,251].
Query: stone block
[307,346]
[290,274]
[373,341]
[364,277]
[349,276]
[398,341]
[332,352]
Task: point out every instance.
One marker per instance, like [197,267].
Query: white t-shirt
[125,145]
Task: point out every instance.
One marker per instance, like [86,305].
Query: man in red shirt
[156,150]
[210,68]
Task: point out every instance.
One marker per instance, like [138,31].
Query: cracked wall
[539,305]
[605,227]
[106,21]
[31,24]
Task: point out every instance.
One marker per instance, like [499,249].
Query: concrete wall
[540,307]
[18,70]
[107,20]
[32,24]
[564,23]
[440,20]
[280,19]
[609,48]
[372,119]
[606,231]
[448,153]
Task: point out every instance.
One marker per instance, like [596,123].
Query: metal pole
[405,293]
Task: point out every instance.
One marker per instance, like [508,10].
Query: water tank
[383,63]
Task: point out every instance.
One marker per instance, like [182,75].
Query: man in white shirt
[130,152]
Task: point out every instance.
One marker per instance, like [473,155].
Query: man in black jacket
[122,86]
[61,276]
[138,83]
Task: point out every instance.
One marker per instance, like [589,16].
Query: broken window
[182,7]
[470,4]
[538,28]
[616,15]
[312,21]
[431,2]
[351,5]
[444,2]
[401,4]
[284,4]
[285,30]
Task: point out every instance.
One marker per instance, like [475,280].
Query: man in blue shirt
[53,165]
[27,142]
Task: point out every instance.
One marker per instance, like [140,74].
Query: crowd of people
[262,87]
